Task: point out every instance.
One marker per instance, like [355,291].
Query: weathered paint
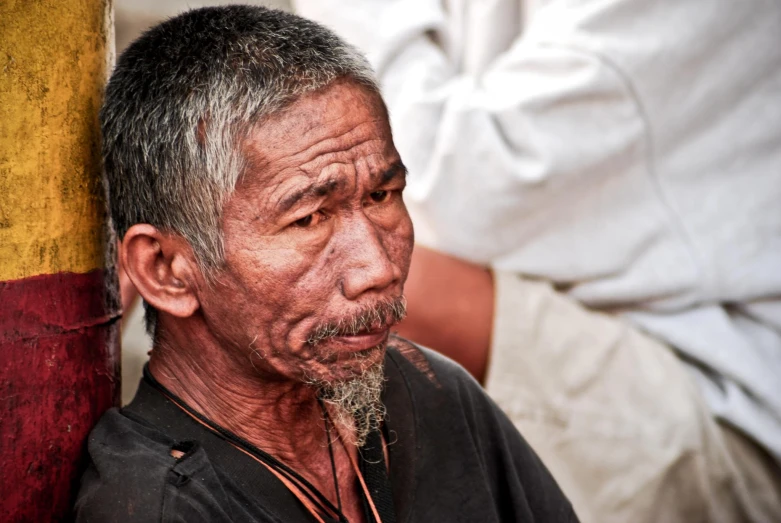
[59,368]
[53,66]
[59,359]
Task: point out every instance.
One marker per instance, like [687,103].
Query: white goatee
[355,405]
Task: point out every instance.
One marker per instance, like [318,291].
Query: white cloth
[627,150]
[617,419]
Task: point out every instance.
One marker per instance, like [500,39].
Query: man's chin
[341,365]
[355,401]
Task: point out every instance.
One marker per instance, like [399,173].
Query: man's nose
[369,267]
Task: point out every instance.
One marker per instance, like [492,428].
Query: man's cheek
[403,241]
[277,272]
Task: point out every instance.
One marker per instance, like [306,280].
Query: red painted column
[59,353]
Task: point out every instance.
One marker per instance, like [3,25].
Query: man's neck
[281,417]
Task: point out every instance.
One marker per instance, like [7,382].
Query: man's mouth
[364,330]
[362,341]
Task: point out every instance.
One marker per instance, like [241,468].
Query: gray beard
[354,404]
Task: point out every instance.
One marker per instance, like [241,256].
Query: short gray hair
[181,100]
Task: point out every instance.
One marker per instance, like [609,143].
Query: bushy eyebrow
[323,188]
[397,170]
[317,190]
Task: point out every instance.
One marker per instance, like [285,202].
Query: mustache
[378,316]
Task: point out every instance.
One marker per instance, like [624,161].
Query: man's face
[316,234]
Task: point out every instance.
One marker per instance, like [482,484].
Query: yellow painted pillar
[59,357]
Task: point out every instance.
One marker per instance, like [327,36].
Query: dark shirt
[453,456]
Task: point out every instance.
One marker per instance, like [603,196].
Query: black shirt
[453,456]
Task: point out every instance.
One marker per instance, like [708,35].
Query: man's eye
[310,220]
[306,221]
[380,196]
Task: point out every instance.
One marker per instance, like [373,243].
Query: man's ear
[163,269]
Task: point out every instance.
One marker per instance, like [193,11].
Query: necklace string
[367,493]
[326,422]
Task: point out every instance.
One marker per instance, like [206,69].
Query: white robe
[627,150]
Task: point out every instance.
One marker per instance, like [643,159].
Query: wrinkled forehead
[340,124]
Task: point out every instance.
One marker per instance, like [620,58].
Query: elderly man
[254,181]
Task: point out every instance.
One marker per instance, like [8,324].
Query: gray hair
[182,99]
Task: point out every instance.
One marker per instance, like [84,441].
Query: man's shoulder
[127,468]
[466,436]
[150,462]
[416,362]
[130,465]
[441,387]
[127,439]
